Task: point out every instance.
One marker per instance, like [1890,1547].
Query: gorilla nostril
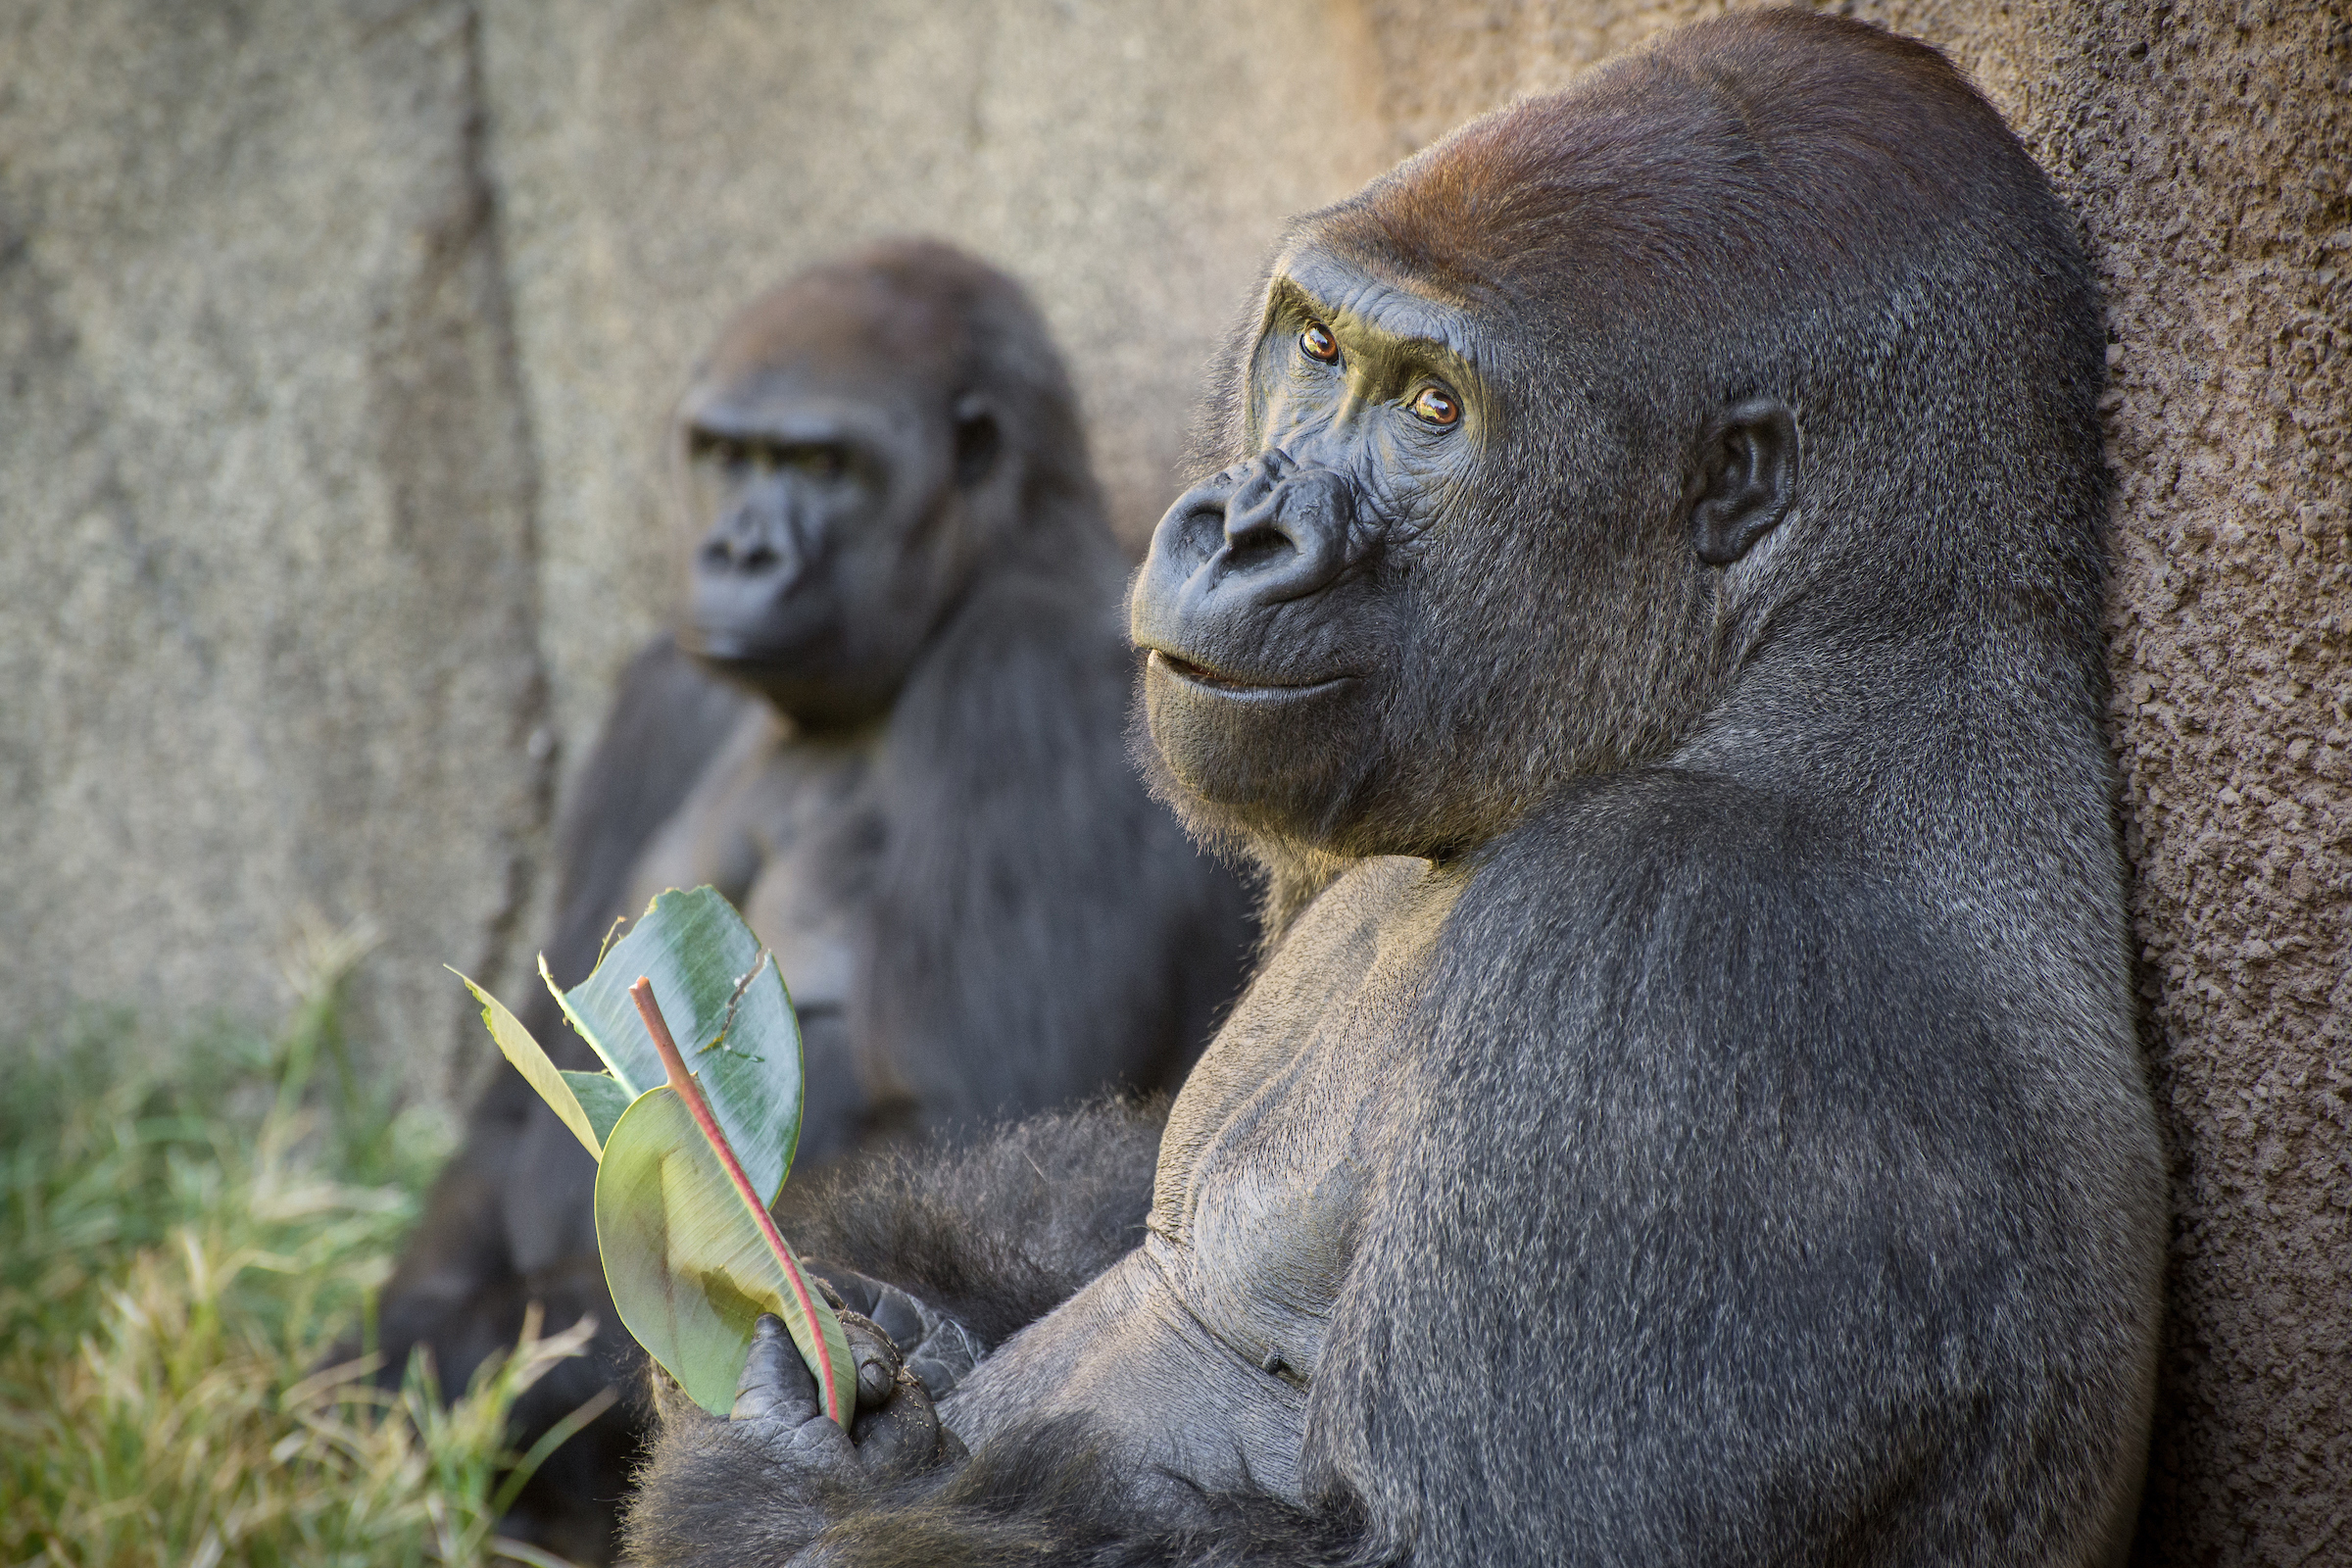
[1194,529]
[714,553]
[1256,540]
[1256,553]
[759,557]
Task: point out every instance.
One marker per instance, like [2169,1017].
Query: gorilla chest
[790,829]
[1268,1160]
[815,833]
[1261,1232]
[1195,1351]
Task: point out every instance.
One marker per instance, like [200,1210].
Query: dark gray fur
[1694,1115]
[1017,925]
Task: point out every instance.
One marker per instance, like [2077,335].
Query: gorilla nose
[754,543]
[1271,527]
[736,555]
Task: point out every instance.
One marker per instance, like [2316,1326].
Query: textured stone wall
[335,343]
[267,605]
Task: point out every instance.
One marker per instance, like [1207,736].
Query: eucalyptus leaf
[560,1090]
[734,1024]
[691,1268]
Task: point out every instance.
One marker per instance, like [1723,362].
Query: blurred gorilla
[913,779]
[1649,624]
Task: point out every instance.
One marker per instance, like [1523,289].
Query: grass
[180,1250]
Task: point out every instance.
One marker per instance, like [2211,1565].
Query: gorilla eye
[1318,343]
[820,463]
[1437,406]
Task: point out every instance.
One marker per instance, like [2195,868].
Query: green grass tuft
[179,1249]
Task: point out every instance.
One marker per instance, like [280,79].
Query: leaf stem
[642,993]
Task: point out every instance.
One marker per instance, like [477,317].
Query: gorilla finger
[897,1315]
[876,1358]
[939,1373]
[902,1436]
[890,1307]
[775,1384]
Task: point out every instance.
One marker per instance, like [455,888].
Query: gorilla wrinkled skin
[891,727]
[1645,618]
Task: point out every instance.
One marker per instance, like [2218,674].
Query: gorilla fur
[1646,620]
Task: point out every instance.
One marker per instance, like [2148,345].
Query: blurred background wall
[336,342]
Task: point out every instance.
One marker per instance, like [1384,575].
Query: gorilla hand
[894,1433]
[938,1350]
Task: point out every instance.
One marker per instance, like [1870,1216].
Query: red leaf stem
[642,993]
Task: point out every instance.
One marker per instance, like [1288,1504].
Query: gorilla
[891,727]
[1647,620]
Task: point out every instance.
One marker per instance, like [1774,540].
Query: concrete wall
[336,343]
[268,603]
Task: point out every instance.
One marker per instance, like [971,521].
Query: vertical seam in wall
[527,860]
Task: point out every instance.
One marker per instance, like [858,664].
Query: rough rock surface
[268,657]
[336,344]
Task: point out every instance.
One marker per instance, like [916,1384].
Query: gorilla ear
[977,439]
[1747,479]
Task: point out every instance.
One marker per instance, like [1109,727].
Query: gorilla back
[1648,624]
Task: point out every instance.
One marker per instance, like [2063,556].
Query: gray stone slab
[268,657]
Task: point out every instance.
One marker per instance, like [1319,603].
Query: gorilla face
[1378,633]
[1275,603]
[828,507]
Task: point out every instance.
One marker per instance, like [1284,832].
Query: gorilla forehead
[896,313]
[1342,290]
[1751,159]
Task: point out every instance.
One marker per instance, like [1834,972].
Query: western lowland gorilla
[1649,624]
[913,779]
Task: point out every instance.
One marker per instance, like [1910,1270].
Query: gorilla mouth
[1216,680]
[739,650]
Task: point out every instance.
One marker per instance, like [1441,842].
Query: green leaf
[691,1268]
[602,1098]
[711,978]
[560,1090]
[690,1251]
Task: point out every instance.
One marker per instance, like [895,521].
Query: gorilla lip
[1200,675]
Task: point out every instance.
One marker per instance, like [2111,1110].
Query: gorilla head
[1527,436]
[862,440]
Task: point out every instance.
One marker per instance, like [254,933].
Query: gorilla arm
[995,1235]
[1125,1386]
